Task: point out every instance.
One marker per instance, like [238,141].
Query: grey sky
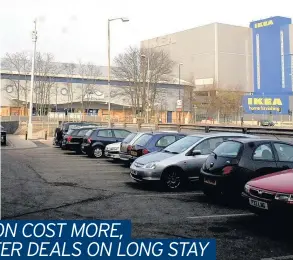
[75,29]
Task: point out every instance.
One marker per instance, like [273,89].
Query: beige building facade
[212,56]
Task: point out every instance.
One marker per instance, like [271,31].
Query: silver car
[179,162]
[126,145]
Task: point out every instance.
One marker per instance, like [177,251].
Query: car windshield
[228,149]
[70,131]
[82,132]
[182,145]
[129,138]
[88,133]
[143,140]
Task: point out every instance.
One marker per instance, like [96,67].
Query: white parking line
[288,257]
[165,194]
[223,216]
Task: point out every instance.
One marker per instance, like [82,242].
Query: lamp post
[34,39]
[123,19]
[179,85]
[148,87]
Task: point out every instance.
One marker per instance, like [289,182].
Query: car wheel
[98,152]
[173,179]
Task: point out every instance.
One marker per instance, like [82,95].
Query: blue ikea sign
[266,104]
[272,57]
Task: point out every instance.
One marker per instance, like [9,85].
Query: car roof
[106,128]
[259,140]
[225,134]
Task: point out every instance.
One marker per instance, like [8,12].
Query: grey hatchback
[179,162]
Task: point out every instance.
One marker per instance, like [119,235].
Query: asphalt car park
[48,183]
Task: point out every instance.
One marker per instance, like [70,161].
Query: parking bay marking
[288,257]
[223,216]
[165,194]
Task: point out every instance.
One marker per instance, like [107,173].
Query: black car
[62,130]
[95,141]
[3,136]
[75,137]
[233,163]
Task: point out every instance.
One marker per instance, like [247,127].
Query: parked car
[112,150]
[95,141]
[66,135]
[233,163]
[74,138]
[179,162]
[3,136]
[153,142]
[267,123]
[64,128]
[126,145]
[272,193]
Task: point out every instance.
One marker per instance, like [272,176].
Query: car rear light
[89,140]
[129,147]
[145,151]
[69,138]
[227,170]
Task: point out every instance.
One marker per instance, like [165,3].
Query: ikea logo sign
[265,101]
[264,24]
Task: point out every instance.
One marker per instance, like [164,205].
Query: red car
[272,193]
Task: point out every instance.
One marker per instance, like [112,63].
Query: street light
[123,19]
[179,85]
[34,39]
[148,88]
[179,69]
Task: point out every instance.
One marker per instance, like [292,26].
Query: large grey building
[215,55]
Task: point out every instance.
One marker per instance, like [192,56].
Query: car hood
[278,182]
[153,157]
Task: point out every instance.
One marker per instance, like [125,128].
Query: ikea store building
[257,60]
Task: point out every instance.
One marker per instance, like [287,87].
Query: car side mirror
[196,152]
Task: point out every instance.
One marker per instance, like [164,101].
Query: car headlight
[284,197]
[246,188]
[151,165]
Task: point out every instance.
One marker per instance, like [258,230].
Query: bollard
[46,134]
[207,129]
[26,135]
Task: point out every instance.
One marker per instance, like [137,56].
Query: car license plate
[133,172]
[211,182]
[258,204]
[133,153]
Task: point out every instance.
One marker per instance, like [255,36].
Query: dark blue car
[152,142]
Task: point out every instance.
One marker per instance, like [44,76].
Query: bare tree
[70,72]
[131,66]
[212,102]
[45,70]
[91,91]
[19,66]
[82,73]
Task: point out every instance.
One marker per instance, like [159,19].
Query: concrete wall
[194,48]
[215,51]
[235,57]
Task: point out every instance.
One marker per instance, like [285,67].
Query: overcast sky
[77,29]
